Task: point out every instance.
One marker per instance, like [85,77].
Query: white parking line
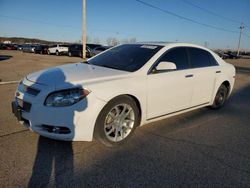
[9,82]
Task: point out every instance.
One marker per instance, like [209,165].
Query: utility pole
[241,28]
[84,29]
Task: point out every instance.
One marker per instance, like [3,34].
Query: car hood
[72,74]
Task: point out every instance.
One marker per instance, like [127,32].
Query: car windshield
[127,57]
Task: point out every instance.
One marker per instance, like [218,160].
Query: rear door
[169,91]
[204,75]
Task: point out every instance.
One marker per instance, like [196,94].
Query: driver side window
[178,56]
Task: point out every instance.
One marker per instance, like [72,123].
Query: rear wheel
[220,97]
[57,53]
[117,121]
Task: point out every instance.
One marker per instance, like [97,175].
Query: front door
[169,91]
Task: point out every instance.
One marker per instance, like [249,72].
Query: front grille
[24,105]
[30,90]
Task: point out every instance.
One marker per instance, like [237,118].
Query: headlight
[66,97]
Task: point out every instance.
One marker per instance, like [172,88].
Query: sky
[61,20]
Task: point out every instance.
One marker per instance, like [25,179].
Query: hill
[22,40]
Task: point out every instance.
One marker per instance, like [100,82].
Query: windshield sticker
[149,47]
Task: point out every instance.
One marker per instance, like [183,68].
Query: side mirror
[165,66]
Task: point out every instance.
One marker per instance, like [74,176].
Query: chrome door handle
[189,75]
[218,72]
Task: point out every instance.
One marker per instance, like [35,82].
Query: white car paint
[159,95]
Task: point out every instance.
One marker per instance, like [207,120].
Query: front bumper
[74,122]
[16,110]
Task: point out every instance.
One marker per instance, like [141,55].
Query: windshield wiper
[85,62]
[110,67]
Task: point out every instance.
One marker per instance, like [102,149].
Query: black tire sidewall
[215,106]
[99,133]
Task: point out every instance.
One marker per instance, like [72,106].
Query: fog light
[56,129]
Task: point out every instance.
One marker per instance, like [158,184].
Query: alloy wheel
[119,122]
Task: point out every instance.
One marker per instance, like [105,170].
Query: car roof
[174,44]
[170,43]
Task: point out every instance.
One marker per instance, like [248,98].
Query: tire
[117,121]
[220,97]
[57,53]
[48,52]
[70,55]
[41,52]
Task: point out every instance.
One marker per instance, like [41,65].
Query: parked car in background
[1,46]
[130,85]
[20,47]
[9,47]
[222,54]
[41,49]
[232,55]
[99,49]
[29,48]
[76,50]
[58,49]
[93,46]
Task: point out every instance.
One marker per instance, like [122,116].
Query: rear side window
[178,56]
[199,58]
[212,60]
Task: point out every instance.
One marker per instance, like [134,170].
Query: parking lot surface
[203,148]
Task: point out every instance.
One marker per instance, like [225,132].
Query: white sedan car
[127,86]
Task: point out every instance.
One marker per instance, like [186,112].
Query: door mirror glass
[165,66]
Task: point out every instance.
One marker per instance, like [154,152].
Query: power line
[113,32]
[37,21]
[211,12]
[64,26]
[185,18]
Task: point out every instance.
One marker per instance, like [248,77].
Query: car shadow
[5,57]
[54,159]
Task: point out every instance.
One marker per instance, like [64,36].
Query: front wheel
[57,53]
[117,121]
[220,97]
